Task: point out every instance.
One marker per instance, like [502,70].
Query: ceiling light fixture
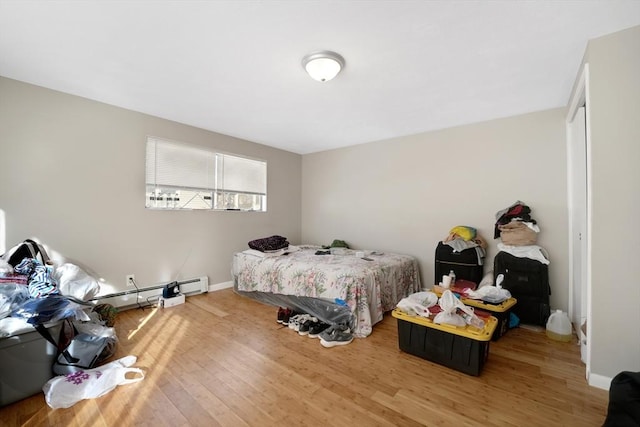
[323,65]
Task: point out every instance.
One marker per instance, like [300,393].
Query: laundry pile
[43,300]
[272,246]
[515,226]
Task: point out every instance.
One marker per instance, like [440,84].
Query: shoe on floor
[336,335]
[316,328]
[306,325]
[281,312]
[298,320]
[288,313]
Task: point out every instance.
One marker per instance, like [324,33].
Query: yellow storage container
[464,349]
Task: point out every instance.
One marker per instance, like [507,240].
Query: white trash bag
[65,391]
[75,282]
[418,304]
[450,305]
[491,294]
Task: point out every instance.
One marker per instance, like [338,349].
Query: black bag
[464,264]
[77,351]
[27,249]
[624,400]
[528,281]
[84,352]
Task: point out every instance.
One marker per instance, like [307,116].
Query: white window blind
[181,176]
[179,165]
[241,175]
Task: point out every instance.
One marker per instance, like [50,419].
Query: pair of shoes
[306,325]
[336,335]
[297,320]
[316,328]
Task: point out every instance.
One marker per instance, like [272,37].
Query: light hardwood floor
[221,359]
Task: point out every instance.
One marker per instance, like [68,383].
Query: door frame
[579,98]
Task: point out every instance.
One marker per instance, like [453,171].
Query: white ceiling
[234,67]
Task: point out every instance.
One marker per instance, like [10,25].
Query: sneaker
[306,325]
[281,312]
[316,328]
[336,335]
[293,321]
[298,321]
[287,316]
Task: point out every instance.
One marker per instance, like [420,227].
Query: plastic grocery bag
[449,305]
[449,314]
[65,391]
[11,296]
[418,304]
[491,294]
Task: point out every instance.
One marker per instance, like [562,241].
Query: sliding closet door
[579,208]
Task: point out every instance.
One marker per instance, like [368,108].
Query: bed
[366,288]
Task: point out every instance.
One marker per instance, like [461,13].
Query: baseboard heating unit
[152,294]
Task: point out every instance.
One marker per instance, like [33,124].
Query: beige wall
[72,175]
[405,194]
[614,66]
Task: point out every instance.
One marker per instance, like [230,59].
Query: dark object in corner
[624,401]
[171,290]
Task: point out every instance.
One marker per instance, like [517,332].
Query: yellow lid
[465,331]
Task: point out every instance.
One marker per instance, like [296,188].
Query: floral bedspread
[369,288]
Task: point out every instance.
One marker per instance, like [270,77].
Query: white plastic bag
[11,296]
[490,294]
[418,304]
[75,282]
[65,391]
[449,305]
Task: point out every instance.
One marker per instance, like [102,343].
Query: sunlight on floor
[143,323]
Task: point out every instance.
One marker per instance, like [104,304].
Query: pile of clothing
[518,232]
[515,226]
[462,237]
[269,244]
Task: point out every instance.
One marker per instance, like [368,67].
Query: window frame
[165,184]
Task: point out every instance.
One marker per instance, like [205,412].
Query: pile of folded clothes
[269,244]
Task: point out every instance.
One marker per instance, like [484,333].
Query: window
[181,176]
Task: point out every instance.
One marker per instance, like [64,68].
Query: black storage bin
[463,349]
[528,281]
[464,264]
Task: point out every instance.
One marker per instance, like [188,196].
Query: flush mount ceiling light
[323,65]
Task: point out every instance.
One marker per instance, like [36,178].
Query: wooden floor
[221,359]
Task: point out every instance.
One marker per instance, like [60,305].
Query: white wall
[72,176]
[614,66]
[405,194]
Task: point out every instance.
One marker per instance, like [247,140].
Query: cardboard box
[464,349]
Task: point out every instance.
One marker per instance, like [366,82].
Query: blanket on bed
[368,287]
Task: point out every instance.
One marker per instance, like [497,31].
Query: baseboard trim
[599,381]
[220,286]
